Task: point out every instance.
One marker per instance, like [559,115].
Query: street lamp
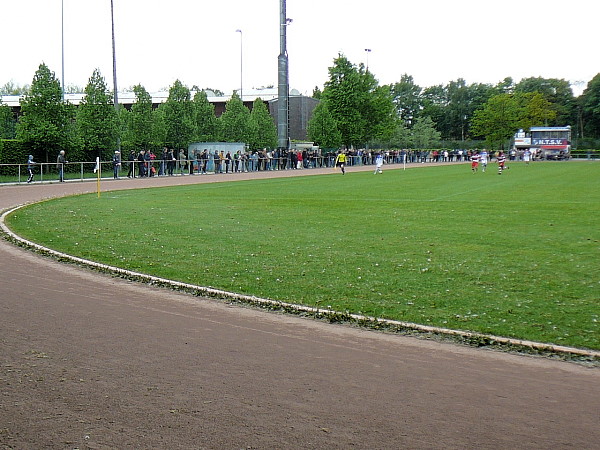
[367,50]
[241,66]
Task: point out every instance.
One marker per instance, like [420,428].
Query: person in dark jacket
[116,164]
[131,160]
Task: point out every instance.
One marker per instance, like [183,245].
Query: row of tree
[355,110]
[96,128]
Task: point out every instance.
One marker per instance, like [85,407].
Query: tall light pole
[62,14]
[114,54]
[367,50]
[241,65]
[283,80]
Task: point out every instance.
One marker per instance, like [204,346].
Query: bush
[12,152]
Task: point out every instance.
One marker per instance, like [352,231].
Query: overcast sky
[435,41]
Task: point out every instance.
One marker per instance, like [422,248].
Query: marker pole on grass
[98,172]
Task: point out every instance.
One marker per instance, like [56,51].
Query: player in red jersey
[501,162]
[475,161]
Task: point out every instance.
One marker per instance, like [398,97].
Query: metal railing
[84,170]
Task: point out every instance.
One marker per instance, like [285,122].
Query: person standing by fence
[182,162]
[60,165]
[116,164]
[131,159]
[171,160]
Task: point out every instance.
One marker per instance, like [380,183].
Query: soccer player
[501,162]
[483,159]
[378,163]
[475,161]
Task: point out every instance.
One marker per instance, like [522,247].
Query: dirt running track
[92,362]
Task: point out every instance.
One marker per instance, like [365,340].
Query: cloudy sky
[435,41]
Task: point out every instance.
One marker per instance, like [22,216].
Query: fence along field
[514,255]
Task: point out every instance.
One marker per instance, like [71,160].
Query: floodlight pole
[62,14]
[283,80]
[114,54]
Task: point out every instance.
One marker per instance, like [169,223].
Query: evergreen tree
[205,121]
[264,131]
[141,129]
[234,123]
[424,134]
[45,126]
[97,120]
[178,116]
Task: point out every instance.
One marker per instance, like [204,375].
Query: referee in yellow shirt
[341,160]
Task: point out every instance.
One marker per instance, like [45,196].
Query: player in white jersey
[483,159]
[378,163]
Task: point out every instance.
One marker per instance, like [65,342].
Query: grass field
[516,255]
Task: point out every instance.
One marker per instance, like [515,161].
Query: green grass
[515,255]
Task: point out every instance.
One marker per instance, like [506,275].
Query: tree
[504,114]
[317,93]
[401,137]
[506,86]
[556,91]
[424,134]
[97,120]
[322,128]
[205,122]
[234,123]
[11,88]
[7,123]
[407,99]
[534,110]
[141,129]
[216,92]
[497,121]
[590,108]
[434,106]
[362,110]
[45,125]
[379,113]
[179,116]
[264,131]
[341,93]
